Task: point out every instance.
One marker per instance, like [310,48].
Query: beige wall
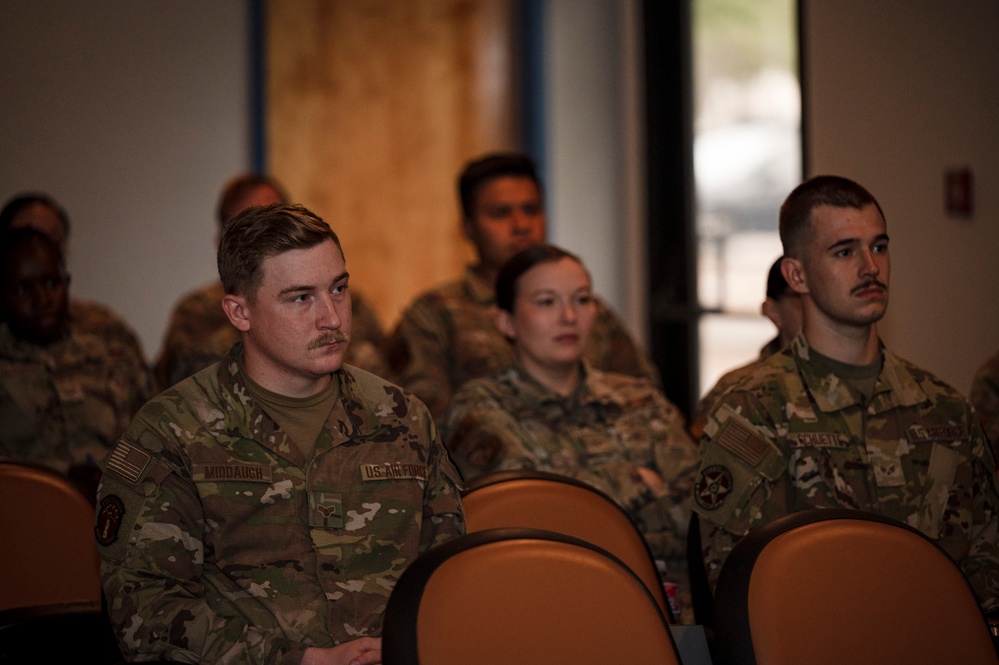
[899,91]
[373,106]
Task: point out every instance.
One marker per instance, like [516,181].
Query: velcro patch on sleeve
[714,484]
[742,441]
[109,518]
[247,473]
[127,461]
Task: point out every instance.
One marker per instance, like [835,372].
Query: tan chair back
[49,554]
[837,586]
[523,596]
[541,500]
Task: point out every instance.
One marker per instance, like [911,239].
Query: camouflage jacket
[199,334]
[66,404]
[98,319]
[985,398]
[449,336]
[791,435]
[612,425]
[221,543]
[707,402]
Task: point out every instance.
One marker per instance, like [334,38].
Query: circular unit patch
[713,487]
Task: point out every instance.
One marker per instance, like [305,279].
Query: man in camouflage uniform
[448,335]
[66,395]
[261,510]
[199,333]
[985,398]
[837,420]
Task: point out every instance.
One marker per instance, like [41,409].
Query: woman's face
[553,313]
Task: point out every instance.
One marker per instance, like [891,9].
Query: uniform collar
[895,383]
[591,391]
[352,416]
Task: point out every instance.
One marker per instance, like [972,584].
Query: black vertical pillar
[673,315]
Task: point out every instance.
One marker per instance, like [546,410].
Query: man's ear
[237,311]
[770,310]
[504,321]
[794,274]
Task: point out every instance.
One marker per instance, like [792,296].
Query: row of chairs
[552,571]
[817,587]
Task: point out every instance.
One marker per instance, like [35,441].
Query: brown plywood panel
[372,107]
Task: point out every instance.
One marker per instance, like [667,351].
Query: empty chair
[523,596]
[542,500]
[49,554]
[839,586]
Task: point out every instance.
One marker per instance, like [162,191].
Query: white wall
[898,91]
[595,162]
[131,114]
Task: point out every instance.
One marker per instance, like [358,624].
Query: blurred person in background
[448,335]
[66,394]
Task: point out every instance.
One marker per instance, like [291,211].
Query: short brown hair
[830,190]
[261,232]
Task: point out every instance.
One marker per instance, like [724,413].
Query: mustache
[868,284]
[329,338]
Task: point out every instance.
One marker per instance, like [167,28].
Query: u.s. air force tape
[393,471]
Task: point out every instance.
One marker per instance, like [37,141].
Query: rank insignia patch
[109,519]
[326,510]
[713,486]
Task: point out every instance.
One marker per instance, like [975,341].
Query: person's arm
[443,518]
[984,396]
[981,565]
[154,573]
[741,480]
[418,356]
[670,476]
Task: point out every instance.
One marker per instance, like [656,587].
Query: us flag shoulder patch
[128,461]
[742,442]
